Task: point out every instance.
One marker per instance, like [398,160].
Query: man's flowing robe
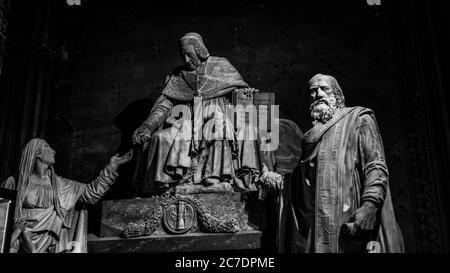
[52,222]
[171,153]
[343,165]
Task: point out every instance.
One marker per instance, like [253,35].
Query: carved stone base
[194,189]
[191,242]
[243,210]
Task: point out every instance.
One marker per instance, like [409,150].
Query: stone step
[190,242]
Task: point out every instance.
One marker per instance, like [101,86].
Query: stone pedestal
[250,215]
[189,189]
[190,242]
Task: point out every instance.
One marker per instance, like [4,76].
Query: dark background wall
[106,62]
[4,11]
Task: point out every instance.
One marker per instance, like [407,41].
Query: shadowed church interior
[84,77]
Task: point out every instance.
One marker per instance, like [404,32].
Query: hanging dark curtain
[420,33]
[4,11]
[26,79]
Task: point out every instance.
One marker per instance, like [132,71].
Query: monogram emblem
[179,216]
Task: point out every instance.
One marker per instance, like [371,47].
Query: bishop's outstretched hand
[141,135]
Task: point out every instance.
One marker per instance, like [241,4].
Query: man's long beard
[322,111]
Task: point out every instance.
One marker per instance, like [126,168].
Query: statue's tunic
[167,158]
[49,210]
[343,166]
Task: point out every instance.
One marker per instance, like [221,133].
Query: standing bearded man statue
[203,86]
[340,191]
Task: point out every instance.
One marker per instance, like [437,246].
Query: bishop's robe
[168,159]
[343,165]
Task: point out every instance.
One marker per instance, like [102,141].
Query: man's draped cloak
[217,77]
[343,165]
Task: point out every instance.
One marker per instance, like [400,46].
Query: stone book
[257,99]
[264,98]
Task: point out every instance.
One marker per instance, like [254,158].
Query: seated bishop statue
[188,140]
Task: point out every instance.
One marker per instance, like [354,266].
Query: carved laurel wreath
[206,221]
